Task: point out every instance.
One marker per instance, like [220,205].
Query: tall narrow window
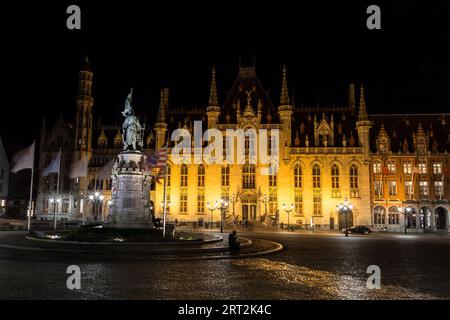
[378,188]
[335,181]
[438,190]
[184,175]
[408,188]
[272,180]
[298,203]
[183,200]
[316,176]
[392,185]
[201,200]
[201,175]
[226,176]
[317,205]
[354,181]
[248,176]
[169,172]
[297,176]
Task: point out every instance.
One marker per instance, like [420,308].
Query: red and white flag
[23,159]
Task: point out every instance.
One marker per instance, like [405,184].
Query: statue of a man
[131,128]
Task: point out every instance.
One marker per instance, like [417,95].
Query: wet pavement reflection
[311,267]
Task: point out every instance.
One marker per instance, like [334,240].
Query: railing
[326,150]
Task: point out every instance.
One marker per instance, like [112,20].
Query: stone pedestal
[130,203]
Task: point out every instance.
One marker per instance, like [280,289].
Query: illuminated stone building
[327,154]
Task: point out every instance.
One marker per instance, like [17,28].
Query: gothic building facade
[392,168]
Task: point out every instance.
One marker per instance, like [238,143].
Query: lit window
[393,215]
[354,181]
[183,200]
[407,167]
[298,204]
[226,176]
[201,200]
[335,177]
[391,167]
[297,176]
[437,167]
[422,167]
[201,175]
[184,175]
[378,188]
[377,167]
[438,190]
[379,215]
[316,176]
[408,188]
[317,205]
[423,188]
[392,185]
[272,180]
[248,176]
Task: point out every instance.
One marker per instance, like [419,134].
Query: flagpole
[57,190]
[31,190]
[442,187]
[164,194]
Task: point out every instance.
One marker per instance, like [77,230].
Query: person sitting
[232,241]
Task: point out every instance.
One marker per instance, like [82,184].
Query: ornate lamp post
[223,204]
[211,210]
[233,200]
[345,207]
[96,198]
[288,211]
[265,199]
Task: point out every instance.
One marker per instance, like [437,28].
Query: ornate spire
[161,110]
[362,106]
[284,98]
[213,101]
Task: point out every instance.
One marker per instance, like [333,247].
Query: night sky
[405,66]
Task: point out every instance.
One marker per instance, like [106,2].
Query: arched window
[201,175]
[335,177]
[184,175]
[393,215]
[377,167]
[316,176]
[297,176]
[354,181]
[379,215]
[248,176]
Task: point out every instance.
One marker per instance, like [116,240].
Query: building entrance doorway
[249,207]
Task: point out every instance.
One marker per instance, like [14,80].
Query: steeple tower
[284,97]
[363,125]
[362,115]
[83,119]
[161,125]
[213,109]
[285,112]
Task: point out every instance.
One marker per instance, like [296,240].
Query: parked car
[358,229]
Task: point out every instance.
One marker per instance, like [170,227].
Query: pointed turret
[362,115]
[363,125]
[213,101]
[161,125]
[213,109]
[284,97]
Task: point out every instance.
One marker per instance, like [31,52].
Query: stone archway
[440,214]
[249,203]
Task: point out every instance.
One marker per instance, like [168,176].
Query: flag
[105,172]
[54,166]
[161,164]
[79,168]
[446,170]
[385,170]
[23,159]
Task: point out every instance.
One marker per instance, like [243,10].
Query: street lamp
[223,208]
[211,210]
[233,200]
[405,212]
[265,199]
[288,211]
[97,198]
[345,207]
